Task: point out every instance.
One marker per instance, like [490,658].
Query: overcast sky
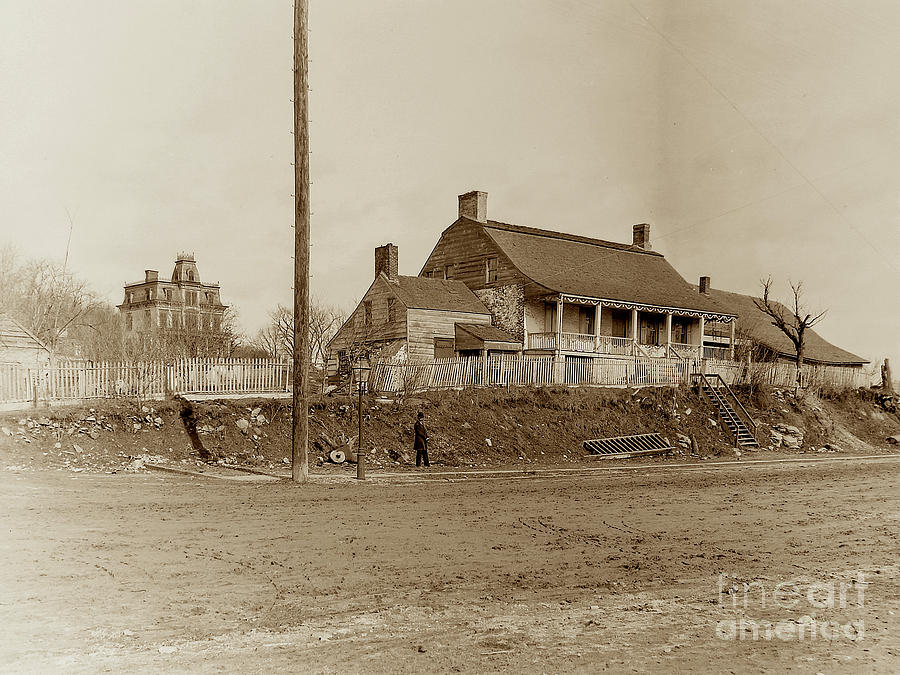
[758,137]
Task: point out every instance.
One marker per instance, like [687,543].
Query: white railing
[86,380]
[478,371]
[577,342]
[615,345]
[684,350]
[582,343]
[542,341]
[720,353]
[595,370]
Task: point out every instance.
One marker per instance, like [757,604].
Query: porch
[570,325]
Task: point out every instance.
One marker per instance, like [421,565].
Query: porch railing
[684,351]
[719,353]
[582,342]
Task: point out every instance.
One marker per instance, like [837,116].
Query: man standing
[421,443]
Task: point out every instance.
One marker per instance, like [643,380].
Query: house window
[129,321]
[717,329]
[549,317]
[586,320]
[130,298]
[681,331]
[448,272]
[150,294]
[444,348]
[619,322]
[190,275]
[391,310]
[649,331]
[490,270]
[168,294]
[367,308]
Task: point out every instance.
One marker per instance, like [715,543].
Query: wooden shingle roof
[594,268]
[437,294]
[758,326]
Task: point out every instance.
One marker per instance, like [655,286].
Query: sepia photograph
[450,336]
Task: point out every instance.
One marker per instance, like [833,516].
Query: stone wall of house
[507,306]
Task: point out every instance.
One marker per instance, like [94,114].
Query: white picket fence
[813,375]
[608,371]
[478,371]
[85,380]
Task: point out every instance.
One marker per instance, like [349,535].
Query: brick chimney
[704,285]
[151,275]
[641,234]
[473,205]
[387,261]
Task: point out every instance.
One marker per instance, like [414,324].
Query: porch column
[702,332]
[559,323]
[733,321]
[635,329]
[668,333]
[559,373]
[598,310]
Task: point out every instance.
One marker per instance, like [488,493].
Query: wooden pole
[300,408]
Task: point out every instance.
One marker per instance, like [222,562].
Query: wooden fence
[478,371]
[84,380]
[813,375]
[608,371]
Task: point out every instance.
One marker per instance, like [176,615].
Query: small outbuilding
[19,345]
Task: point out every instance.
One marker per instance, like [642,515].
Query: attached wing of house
[758,326]
[415,318]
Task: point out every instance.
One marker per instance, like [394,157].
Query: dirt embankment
[485,427]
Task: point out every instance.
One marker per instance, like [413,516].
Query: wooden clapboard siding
[354,329]
[423,325]
[466,246]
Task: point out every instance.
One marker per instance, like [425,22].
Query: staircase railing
[705,382]
[718,399]
[751,425]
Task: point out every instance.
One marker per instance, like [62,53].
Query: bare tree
[793,321]
[48,300]
[277,338]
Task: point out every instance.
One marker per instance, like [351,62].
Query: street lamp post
[361,369]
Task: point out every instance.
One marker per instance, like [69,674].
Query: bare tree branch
[794,322]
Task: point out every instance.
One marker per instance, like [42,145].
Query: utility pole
[300,408]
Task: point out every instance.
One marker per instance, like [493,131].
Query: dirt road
[614,570]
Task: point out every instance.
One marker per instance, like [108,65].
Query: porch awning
[473,336]
[618,304]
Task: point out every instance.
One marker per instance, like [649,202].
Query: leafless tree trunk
[792,322]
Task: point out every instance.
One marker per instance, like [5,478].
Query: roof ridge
[553,234]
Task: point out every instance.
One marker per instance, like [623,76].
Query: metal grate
[626,446]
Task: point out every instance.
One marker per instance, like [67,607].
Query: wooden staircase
[717,393]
